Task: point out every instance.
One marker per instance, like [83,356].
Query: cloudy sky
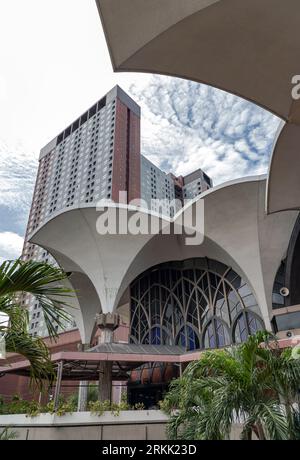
[55,64]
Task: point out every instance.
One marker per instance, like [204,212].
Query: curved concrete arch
[73,239]
[234,227]
[237,233]
[292,266]
[62,235]
[162,249]
[248,48]
[256,241]
[89,305]
[85,304]
[283,186]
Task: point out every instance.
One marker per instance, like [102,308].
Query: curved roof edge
[129,208]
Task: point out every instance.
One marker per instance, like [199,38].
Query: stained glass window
[197,303]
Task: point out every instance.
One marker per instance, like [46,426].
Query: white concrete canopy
[283,188]
[234,231]
[250,48]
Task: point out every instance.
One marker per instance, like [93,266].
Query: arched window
[155,336]
[216,334]
[278,300]
[188,338]
[247,323]
[179,302]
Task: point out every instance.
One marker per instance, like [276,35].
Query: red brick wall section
[11,385]
[120,151]
[134,191]
[126,162]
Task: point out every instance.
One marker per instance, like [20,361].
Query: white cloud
[17,177]
[11,245]
[186,126]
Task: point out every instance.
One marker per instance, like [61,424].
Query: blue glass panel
[155,336]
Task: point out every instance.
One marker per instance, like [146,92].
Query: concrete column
[107,323]
[105,381]
[83,386]
[59,375]
[82,396]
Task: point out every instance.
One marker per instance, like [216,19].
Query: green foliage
[255,380]
[139,406]
[99,407]
[46,284]
[32,408]
[65,406]
[7,435]
[297,425]
[20,406]
[92,396]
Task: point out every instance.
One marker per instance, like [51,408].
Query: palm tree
[46,283]
[254,383]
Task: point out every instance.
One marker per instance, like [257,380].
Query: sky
[54,64]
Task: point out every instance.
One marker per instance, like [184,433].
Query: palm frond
[272,417]
[18,340]
[45,282]
[252,379]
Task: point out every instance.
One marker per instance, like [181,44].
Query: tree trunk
[260,432]
[290,419]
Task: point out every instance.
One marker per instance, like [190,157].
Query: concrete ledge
[84,418]
[129,425]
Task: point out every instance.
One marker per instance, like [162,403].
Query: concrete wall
[129,425]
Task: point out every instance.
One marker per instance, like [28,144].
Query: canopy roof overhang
[250,48]
[125,357]
[85,366]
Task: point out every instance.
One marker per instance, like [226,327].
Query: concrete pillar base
[107,323]
[83,386]
[82,396]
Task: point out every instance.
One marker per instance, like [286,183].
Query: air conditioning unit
[284,291]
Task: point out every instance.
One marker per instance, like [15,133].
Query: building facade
[98,157]
[94,158]
[165,193]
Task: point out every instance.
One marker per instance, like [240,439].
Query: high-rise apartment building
[195,183]
[94,158]
[159,189]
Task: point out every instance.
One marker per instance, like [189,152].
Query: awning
[125,357]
